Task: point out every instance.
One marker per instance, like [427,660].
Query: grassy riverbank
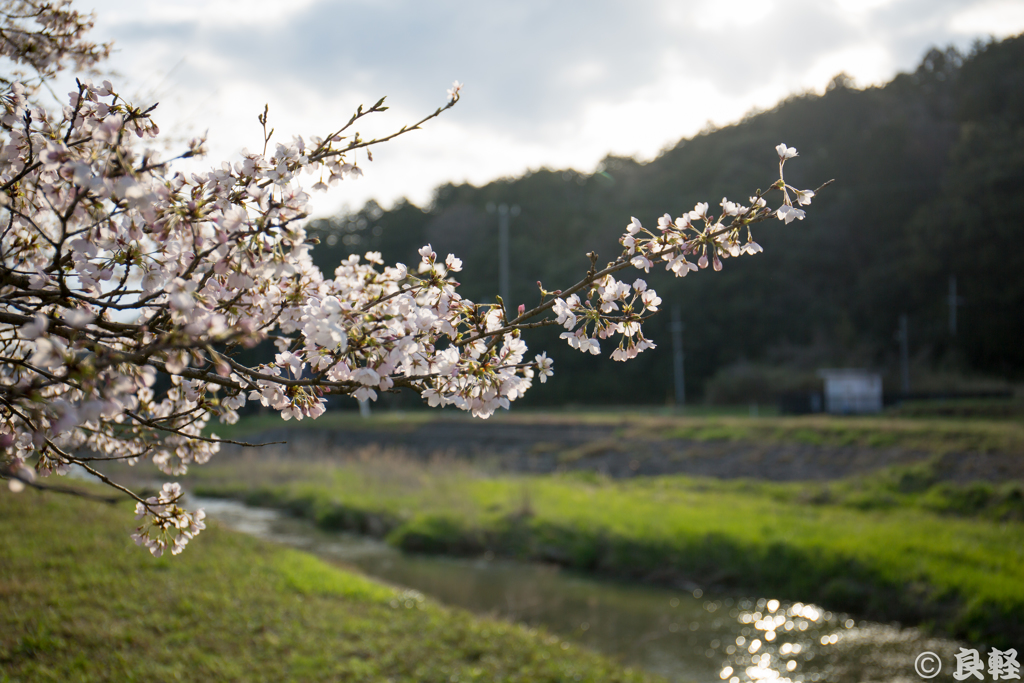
[897,546]
[78,601]
[922,431]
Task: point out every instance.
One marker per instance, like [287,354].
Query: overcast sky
[547,84]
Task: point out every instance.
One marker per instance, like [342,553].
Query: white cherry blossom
[785,152]
[790,213]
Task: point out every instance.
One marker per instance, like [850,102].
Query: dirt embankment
[617,452]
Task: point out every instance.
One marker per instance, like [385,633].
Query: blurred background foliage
[929,172]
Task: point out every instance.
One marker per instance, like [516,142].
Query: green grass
[999,409]
[337,419]
[936,435]
[80,602]
[876,547]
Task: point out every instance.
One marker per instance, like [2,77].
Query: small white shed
[852,391]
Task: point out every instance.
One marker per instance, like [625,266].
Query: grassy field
[920,432]
[896,546]
[79,602]
[932,435]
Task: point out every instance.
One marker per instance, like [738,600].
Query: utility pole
[504,212]
[678,357]
[954,302]
[904,338]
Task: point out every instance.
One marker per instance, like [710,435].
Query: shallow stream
[684,636]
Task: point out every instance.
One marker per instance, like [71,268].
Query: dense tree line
[929,170]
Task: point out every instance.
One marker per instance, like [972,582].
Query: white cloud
[729,15]
[867,64]
[861,7]
[1000,19]
[547,84]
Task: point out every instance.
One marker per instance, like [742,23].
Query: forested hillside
[929,173]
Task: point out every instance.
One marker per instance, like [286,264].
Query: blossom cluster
[164,523]
[611,307]
[128,289]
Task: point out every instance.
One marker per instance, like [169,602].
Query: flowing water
[684,636]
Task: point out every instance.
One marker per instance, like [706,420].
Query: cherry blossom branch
[97,231]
